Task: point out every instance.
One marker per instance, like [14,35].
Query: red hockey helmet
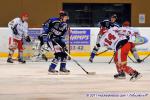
[126,23]
[24,14]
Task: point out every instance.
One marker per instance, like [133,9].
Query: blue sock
[92,55]
[52,66]
[62,65]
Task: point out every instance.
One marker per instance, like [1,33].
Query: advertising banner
[80,40]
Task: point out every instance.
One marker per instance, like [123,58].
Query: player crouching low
[56,28]
[120,44]
[19,27]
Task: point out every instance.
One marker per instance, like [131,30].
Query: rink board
[82,41]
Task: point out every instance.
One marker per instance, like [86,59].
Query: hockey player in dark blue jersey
[49,26]
[56,29]
[113,20]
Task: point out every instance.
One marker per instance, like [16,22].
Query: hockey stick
[101,52]
[89,73]
[131,59]
[111,59]
[128,56]
[146,57]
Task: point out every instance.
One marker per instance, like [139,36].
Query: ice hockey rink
[31,82]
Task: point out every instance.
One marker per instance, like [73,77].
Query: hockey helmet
[105,23]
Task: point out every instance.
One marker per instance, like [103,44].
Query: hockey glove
[15,31]
[65,49]
[28,39]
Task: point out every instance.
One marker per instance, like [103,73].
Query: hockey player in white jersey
[102,31]
[120,44]
[19,28]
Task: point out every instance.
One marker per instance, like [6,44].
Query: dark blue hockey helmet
[114,16]
[63,13]
[105,23]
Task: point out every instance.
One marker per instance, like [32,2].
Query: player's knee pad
[63,55]
[120,64]
[55,61]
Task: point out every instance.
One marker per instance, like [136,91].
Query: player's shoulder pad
[116,24]
[17,19]
[64,24]
[26,24]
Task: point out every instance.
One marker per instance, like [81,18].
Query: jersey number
[110,38]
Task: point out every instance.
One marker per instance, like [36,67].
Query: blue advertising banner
[80,37]
[80,40]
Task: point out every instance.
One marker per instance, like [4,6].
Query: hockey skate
[135,76]
[10,60]
[90,60]
[21,61]
[120,76]
[64,71]
[52,72]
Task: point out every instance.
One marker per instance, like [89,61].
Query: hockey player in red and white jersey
[19,28]
[112,39]
[102,31]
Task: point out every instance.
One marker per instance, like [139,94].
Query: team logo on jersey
[56,32]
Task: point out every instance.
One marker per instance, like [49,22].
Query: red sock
[119,70]
[127,69]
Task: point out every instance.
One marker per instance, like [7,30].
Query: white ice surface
[31,82]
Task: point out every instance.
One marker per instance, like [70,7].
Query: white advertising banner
[82,37]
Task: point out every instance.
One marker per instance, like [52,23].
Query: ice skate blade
[50,73]
[64,73]
[120,78]
[91,73]
[22,63]
[135,79]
